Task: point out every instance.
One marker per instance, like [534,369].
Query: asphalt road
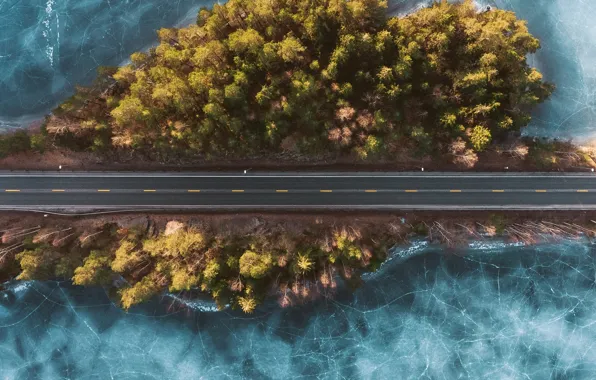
[75,192]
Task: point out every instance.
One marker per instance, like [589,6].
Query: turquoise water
[488,312]
[49,46]
[491,311]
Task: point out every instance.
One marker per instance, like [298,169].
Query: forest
[242,261]
[238,261]
[256,77]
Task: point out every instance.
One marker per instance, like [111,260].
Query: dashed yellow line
[498,191]
[149,191]
[326,191]
[103,191]
[582,191]
[455,191]
[541,191]
[370,191]
[281,191]
[194,191]
[57,191]
[411,191]
[12,190]
[237,191]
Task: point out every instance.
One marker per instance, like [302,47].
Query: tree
[180,243]
[37,264]
[462,156]
[127,256]
[211,270]
[182,280]
[38,142]
[16,142]
[517,150]
[140,292]
[213,54]
[169,89]
[130,111]
[255,265]
[373,145]
[234,93]
[203,16]
[247,304]
[304,263]
[125,75]
[246,41]
[201,81]
[139,59]
[290,49]
[480,137]
[95,270]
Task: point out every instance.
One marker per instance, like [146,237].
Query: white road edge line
[379,207]
[322,175]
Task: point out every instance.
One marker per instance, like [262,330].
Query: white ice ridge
[47,32]
[197,305]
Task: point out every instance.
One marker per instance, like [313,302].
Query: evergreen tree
[260,75]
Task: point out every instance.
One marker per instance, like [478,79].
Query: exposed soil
[15,219]
[86,161]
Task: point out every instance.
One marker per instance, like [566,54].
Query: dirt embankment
[490,161]
[466,225]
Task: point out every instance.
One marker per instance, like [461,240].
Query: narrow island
[291,82]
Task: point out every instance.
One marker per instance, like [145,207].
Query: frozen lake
[487,312]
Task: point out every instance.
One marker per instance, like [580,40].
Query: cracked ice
[500,311]
[491,311]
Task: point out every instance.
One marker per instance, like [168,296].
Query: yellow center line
[281,191]
[541,191]
[582,191]
[12,191]
[498,191]
[370,191]
[455,191]
[411,191]
[326,191]
[57,191]
[149,191]
[194,191]
[103,191]
[237,191]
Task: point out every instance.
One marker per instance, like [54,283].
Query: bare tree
[517,150]
[463,157]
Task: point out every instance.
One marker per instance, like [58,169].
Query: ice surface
[492,311]
[567,31]
[498,312]
[48,46]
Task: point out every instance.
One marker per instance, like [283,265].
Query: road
[77,192]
